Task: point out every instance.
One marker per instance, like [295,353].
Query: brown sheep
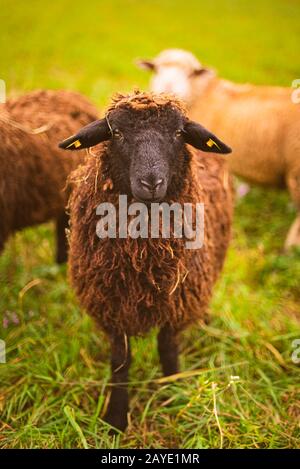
[261,123]
[130,285]
[33,170]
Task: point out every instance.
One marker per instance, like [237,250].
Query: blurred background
[91,47]
[52,389]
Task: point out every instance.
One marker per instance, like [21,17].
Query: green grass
[53,387]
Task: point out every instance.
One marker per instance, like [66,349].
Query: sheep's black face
[147,135]
[148,146]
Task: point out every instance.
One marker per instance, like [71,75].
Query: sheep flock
[174,147]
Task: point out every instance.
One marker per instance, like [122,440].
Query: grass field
[239,387]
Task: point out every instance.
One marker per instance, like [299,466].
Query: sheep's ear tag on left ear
[75,144]
[210,143]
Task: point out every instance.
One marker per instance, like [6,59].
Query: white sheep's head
[174,71]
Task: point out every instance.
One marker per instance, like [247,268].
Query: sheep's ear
[200,71]
[145,64]
[200,138]
[96,132]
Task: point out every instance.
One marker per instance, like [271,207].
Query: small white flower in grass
[233,379]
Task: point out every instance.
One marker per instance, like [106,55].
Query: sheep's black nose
[149,188]
[151,184]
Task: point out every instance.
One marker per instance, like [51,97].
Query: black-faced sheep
[261,123]
[128,284]
[33,170]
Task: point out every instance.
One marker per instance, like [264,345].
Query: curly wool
[33,169]
[138,101]
[130,285]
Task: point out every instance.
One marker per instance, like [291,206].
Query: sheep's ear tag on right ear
[210,143]
[75,144]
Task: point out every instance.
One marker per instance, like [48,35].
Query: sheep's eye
[117,133]
[178,133]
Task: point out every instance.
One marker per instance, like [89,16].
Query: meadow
[239,387]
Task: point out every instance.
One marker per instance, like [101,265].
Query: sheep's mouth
[148,201]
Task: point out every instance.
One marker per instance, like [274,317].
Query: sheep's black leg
[168,350]
[118,406]
[61,240]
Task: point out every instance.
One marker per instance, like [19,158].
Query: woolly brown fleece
[130,285]
[33,169]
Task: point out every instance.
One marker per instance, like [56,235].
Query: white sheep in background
[260,123]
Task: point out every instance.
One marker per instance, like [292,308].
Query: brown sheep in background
[131,285]
[33,170]
[261,123]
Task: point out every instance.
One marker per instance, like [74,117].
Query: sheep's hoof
[116,420]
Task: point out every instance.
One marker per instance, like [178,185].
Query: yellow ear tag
[76,144]
[210,143]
